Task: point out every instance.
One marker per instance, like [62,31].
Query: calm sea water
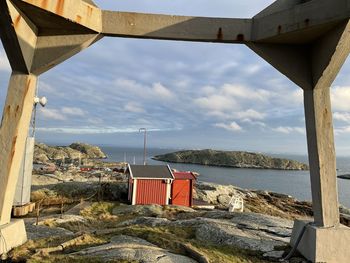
[295,183]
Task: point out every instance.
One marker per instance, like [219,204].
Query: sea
[294,183]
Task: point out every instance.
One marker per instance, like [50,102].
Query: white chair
[236,204]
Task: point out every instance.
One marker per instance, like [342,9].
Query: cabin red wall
[182,192]
[151,192]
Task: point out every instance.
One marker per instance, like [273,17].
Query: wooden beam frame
[308,41]
[185,28]
[13,133]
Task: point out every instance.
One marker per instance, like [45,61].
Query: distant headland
[234,159]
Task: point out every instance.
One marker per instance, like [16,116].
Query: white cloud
[208,90]
[249,114]
[51,114]
[60,114]
[93,130]
[342,116]
[4,63]
[340,98]
[252,69]
[133,107]
[162,92]
[342,130]
[233,126]
[73,111]
[289,130]
[216,103]
[245,92]
[156,91]
[257,123]
[49,89]
[296,97]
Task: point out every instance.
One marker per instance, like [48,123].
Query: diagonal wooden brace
[13,133]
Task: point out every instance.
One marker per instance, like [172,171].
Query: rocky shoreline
[234,159]
[86,219]
[84,216]
[44,154]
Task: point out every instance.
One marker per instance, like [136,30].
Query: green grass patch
[98,209]
[173,238]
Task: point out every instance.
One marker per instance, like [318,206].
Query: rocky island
[44,153]
[235,159]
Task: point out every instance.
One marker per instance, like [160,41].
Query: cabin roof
[150,172]
[184,176]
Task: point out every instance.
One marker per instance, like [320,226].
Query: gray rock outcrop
[130,248]
[93,152]
[44,153]
[250,231]
[234,159]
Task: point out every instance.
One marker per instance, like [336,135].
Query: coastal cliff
[44,153]
[235,159]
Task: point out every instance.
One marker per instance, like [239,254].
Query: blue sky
[189,95]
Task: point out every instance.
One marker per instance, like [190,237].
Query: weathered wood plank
[320,138]
[75,11]
[10,40]
[53,50]
[328,55]
[13,133]
[186,28]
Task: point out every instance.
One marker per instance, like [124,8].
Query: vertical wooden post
[13,133]
[320,138]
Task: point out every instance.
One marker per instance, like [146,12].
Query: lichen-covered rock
[141,210]
[133,249]
[44,153]
[219,195]
[93,152]
[234,159]
[35,232]
[250,231]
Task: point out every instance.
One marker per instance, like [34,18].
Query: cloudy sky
[188,95]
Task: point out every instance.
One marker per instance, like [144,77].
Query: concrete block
[12,235]
[323,244]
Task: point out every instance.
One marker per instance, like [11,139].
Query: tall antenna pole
[144,144]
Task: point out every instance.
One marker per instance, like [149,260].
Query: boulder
[224,200]
[93,152]
[141,210]
[44,153]
[250,231]
[130,248]
[274,255]
[179,209]
[35,232]
[218,194]
[225,234]
[145,221]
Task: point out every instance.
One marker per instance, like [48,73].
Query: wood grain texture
[13,133]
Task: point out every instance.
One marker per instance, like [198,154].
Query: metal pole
[144,144]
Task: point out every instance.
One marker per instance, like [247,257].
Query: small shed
[86,168]
[182,189]
[150,184]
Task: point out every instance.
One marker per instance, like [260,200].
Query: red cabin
[150,184]
[182,190]
[86,168]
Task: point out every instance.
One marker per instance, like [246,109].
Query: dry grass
[28,252]
[99,210]
[174,238]
[99,216]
